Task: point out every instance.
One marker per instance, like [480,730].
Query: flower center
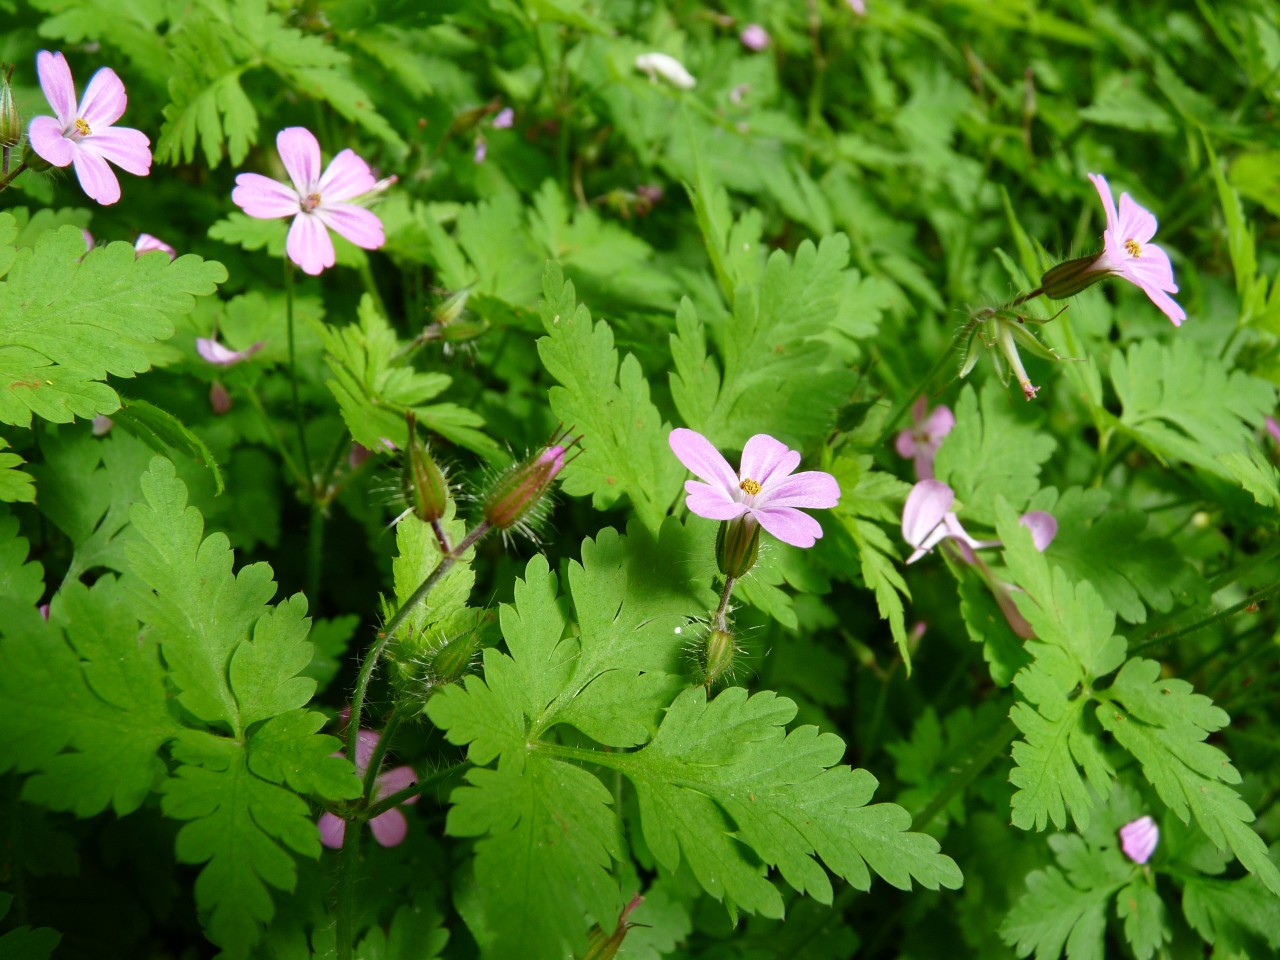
[82,127]
[749,487]
[310,202]
[1134,248]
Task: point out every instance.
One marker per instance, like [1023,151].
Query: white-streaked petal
[766,460]
[346,177]
[1043,527]
[95,176]
[710,501]
[104,100]
[922,515]
[300,152]
[1108,203]
[362,227]
[703,460]
[46,139]
[59,89]
[789,525]
[264,198]
[1136,223]
[812,489]
[128,149]
[308,244]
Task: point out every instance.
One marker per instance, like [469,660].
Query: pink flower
[1273,428]
[927,520]
[214,352]
[859,7]
[922,441]
[388,828]
[316,201]
[1128,254]
[505,118]
[86,135]
[146,243]
[754,37]
[102,425]
[482,149]
[1138,839]
[765,488]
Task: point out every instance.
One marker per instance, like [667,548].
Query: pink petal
[1108,204]
[1043,527]
[389,828]
[813,488]
[955,529]
[96,178]
[128,149]
[214,352]
[1153,269]
[146,243]
[789,525]
[936,536]
[395,780]
[1138,839]
[309,245]
[922,515]
[300,151]
[905,444]
[707,500]
[1136,223]
[1168,305]
[46,139]
[1273,428]
[366,743]
[59,89]
[332,830]
[264,198]
[505,118]
[362,227]
[104,100]
[939,423]
[703,460]
[764,458]
[347,176]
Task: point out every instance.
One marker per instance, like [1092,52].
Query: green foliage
[108,308]
[16,485]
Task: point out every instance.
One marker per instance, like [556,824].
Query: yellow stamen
[310,202]
[81,127]
[1134,248]
[749,487]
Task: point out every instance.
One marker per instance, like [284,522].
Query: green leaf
[21,582]
[624,449]
[164,433]
[68,319]
[1142,911]
[1237,916]
[16,486]
[1254,472]
[992,452]
[286,750]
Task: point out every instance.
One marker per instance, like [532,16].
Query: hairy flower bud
[454,658]
[737,545]
[1071,277]
[717,655]
[522,487]
[10,119]
[424,481]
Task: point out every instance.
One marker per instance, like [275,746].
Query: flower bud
[219,399]
[424,480]
[601,947]
[522,487]
[10,119]
[454,658]
[717,655]
[1072,276]
[737,544]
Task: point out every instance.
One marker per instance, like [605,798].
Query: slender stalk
[255,401]
[923,385]
[348,863]
[6,180]
[416,789]
[722,622]
[994,747]
[318,520]
[293,381]
[380,751]
[1211,619]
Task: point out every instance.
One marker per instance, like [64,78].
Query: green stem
[923,385]
[6,180]
[1211,619]
[309,484]
[318,520]
[348,863]
[287,458]
[415,789]
[721,622]
[380,751]
[995,746]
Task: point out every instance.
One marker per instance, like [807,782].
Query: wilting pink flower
[214,352]
[927,520]
[316,201]
[86,135]
[146,243]
[1128,254]
[765,488]
[754,37]
[388,828]
[1138,839]
[505,118]
[922,440]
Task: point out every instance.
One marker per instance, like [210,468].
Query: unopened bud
[601,947]
[454,658]
[1072,276]
[737,544]
[219,399]
[10,119]
[449,311]
[521,488]
[424,480]
[717,655]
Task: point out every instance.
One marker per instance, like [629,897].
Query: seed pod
[522,487]
[428,491]
[717,655]
[10,119]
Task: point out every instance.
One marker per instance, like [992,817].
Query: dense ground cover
[743,480]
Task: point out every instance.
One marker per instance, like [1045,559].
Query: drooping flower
[927,520]
[318,202]
[1138,839]
[754,37]
[921,442]
[146,243]
[1128,253]
[214,352]
[765,488]
[85,135]
[656,65]
[389,828]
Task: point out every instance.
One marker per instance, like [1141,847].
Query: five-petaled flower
[85,134]
[921,442]
[765,489]
[1128,252]
[318,202]
[388,828]
[1138,839]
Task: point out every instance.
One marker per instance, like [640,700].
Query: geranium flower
[668,68]
[1138,839]
[146,243]
[389,828]
[214,352]
[921,442]
[504,120]
[1128,254]
[927,520]
[86,135]
[754,37]
[316,201]
[766,489]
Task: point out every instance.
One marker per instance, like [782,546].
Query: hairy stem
[310,480]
